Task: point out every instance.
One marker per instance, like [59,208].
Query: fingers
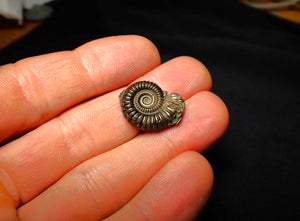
[87,130]
[34,90]
[178,191]
[105,183]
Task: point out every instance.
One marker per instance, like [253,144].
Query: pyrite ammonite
[147,107]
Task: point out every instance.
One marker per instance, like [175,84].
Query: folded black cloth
[254,59]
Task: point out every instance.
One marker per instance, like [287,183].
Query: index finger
[36,89]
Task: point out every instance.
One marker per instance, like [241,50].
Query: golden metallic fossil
[147,107]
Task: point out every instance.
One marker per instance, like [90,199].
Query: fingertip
[219,120]
[145,42]
[209,117]
[179,191]
[202,175]
[201,73]
[148,47]
[184,75]
[134,52]
[201,178]
[190,180]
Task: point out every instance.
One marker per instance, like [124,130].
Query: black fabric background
[254,59]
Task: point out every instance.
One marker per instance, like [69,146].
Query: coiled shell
[149,108]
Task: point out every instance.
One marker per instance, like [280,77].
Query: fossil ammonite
[149,108]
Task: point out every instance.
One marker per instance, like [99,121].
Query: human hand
[78,158]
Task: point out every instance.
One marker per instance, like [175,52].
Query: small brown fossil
[147,107]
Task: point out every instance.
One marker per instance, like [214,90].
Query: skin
[68,153]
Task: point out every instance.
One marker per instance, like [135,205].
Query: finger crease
[10,186]
[86,70]
[169,145]
[89,182]
[76,137]
[31,88]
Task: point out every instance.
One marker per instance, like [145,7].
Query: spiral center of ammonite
[146,101]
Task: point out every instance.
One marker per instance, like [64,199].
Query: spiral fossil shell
[149,108]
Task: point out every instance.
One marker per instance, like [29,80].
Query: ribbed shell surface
[146,107]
